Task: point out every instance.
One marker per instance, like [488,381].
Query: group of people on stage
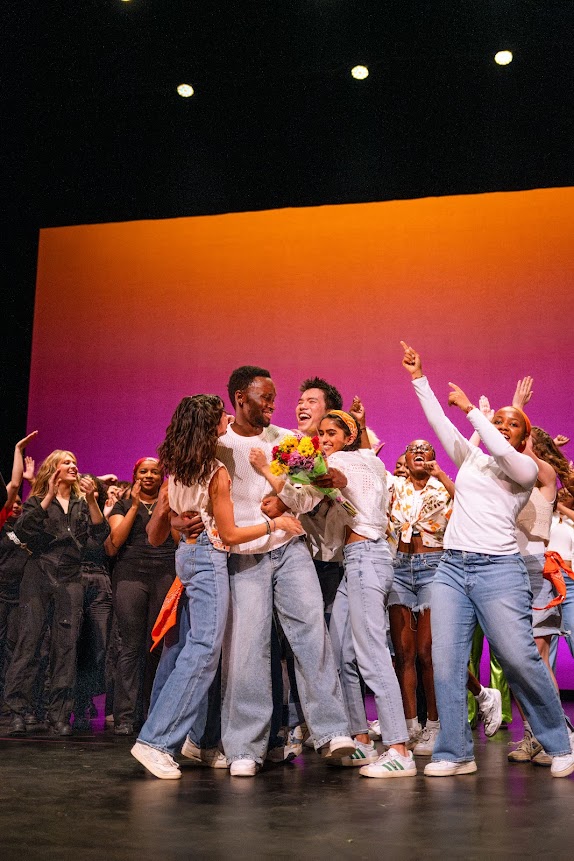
[292,596]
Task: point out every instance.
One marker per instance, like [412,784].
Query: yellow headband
[345,417]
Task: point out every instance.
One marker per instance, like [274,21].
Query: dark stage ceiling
[93,129]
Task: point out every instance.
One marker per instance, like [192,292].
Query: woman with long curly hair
[201,483]
[546,449]
[57,520]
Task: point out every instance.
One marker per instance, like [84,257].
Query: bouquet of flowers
[299,459]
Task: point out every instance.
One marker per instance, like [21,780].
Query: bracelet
[469,408]
[362,429]
[268,526]
[274,525]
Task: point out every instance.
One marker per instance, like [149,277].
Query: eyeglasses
[414,448]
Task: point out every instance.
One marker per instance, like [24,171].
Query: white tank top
[533,524]
[195,497]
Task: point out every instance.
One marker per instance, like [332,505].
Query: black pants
[139,590]
[94,636]
[9,592]
[47,598]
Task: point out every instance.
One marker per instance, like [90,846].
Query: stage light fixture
[503,58]
[360,73]
[185,90]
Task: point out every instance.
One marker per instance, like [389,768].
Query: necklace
[148,505]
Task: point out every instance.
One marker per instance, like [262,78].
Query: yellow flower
[288,444]
[306,447]
[278,468]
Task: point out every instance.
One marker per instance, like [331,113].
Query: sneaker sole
[340,752]
[243,773]
[384,774]
[461,768]
[157,772]
[564,773]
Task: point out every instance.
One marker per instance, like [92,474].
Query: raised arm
[453,442]
[357,410]
[17,469]
[518,467]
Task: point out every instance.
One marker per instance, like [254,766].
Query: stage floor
[87,798]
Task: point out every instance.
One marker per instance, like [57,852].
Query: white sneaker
[426,742]
[160,764]
[391,764]
[243,768]
[490,710]
[414,736]
[446,768]
[562,766]
[296,737]
[211,757]
[341,745]
[374,730]
[364,753]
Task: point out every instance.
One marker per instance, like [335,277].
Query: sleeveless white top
[195,497]
[533,524]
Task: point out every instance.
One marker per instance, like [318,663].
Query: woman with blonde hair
[57,520]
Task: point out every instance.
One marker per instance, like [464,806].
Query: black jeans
[47,598]
[94,636]
[139,590]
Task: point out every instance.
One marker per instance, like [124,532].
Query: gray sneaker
[426,742]
[211,757]
[526,749]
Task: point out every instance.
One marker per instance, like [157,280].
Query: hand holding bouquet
[300,460]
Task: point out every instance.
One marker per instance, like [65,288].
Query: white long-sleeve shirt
[491,489]
[366,490]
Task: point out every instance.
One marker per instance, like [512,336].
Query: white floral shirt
[426,512]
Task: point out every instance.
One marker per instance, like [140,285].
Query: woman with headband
[141,578]
[482,577]
[358,624]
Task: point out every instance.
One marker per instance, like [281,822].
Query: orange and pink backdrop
[130,317]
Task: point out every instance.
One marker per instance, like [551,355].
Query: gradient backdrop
[130,317]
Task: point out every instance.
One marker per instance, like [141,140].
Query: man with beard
[274,572]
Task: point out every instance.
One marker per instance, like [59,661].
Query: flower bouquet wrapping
[299,459]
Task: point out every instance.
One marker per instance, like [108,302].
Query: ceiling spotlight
[185,90]
[360,73]
[503,58]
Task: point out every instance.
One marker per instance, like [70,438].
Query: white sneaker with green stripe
[363,754]
[391,764]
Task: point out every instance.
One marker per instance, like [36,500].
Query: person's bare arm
[13,485]
[432,467]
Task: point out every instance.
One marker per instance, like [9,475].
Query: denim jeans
[414,573]
[495,591]
[284,578]
[369,575]
[346,661]
[567,608]
[180,708]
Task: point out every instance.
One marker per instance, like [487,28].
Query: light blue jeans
[567,608]
[413,577]
[495,591]
[369,577]
[284,578]
[180,707]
